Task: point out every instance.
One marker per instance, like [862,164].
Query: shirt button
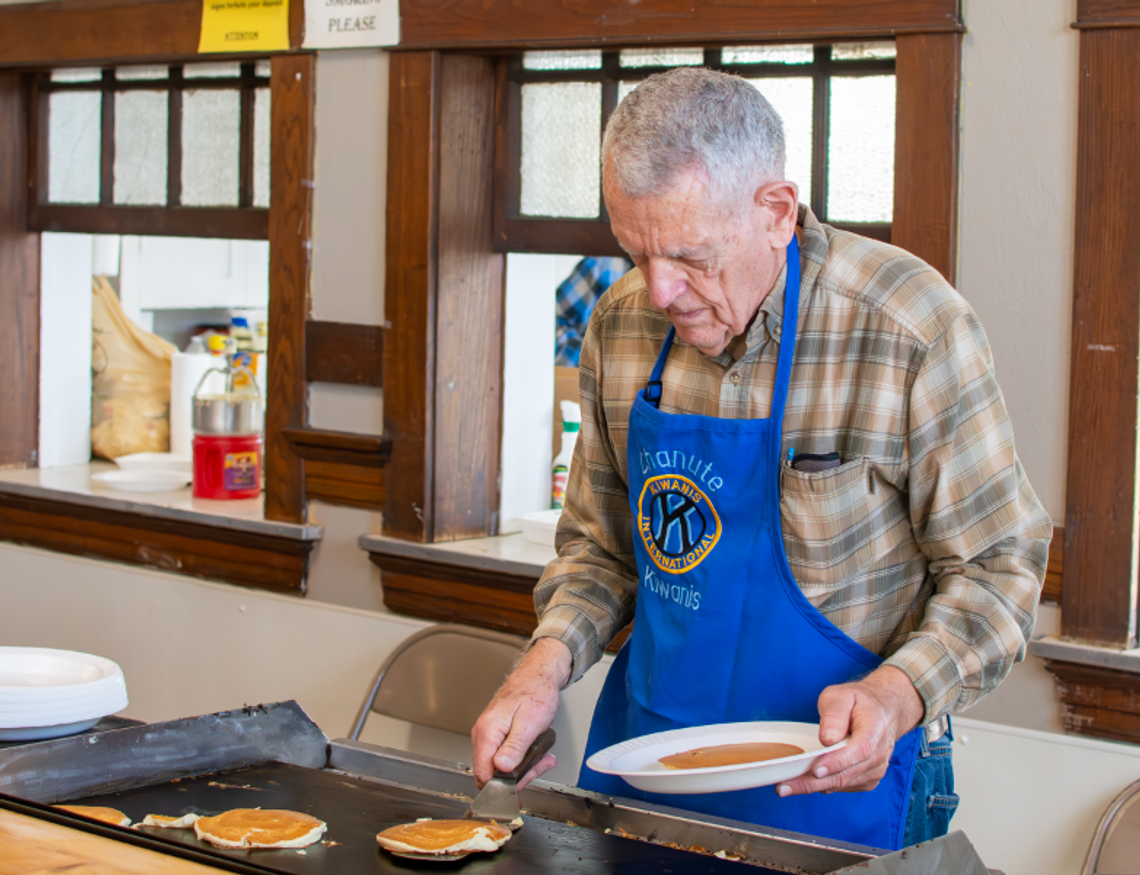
[734,377]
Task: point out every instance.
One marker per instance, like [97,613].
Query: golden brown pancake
[729,755]
[259,828]
[185,821]
[431,837]
[108,815]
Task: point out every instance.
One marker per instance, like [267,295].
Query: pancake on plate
[161,820]
[729,755]
[439,837]
[260,828]
[97,812]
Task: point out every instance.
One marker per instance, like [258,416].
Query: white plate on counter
[143,480]
[636,760]
[155,462]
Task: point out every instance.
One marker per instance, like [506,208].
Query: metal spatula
[499,798]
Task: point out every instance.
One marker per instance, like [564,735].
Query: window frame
[241,221]
[515,232]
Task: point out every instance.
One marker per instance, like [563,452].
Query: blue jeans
[932,797]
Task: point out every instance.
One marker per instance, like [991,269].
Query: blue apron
[722,632]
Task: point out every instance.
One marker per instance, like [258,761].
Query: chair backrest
[443,676]
[1115,846]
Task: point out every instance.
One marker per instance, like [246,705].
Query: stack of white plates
[48,693]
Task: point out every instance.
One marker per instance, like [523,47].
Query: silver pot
[227,414]
[232,413]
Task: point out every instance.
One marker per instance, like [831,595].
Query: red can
[227,466]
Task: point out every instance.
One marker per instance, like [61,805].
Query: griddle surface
[355,810]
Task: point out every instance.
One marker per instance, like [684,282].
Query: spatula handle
[534,753]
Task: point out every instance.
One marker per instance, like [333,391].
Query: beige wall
[1018,165]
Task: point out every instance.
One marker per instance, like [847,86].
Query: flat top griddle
[355,809]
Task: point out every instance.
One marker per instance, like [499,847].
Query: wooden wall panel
[19,283]
[928,72]
[409,292]
[1108,13]
[501,23]
[340,352]
[195,549]
[1100,534]
[1098,701]
[293,87]
[469,309]
[110,31]
[342,467]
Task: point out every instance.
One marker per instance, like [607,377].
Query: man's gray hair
[692,118]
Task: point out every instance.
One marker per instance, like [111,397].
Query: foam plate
[636,760]
[56,691]
[143,480]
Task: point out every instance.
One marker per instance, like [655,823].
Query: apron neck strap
[784,364]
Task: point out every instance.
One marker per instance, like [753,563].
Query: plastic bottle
[560,469]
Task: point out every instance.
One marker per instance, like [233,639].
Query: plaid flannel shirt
[575,298]
[926,545]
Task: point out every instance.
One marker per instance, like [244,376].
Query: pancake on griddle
[97,812]
[437,837]
[260,828]
[729,755]
[161,820]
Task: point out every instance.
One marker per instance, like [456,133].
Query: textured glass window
[566,59]
[213,70]
[561,133]
[792,99]
[766,55]
[662,57]
[140,147]
[128,74]
[73,147]
[861,151]
[863,51]
[263,68]
[261,110]
[625,87]
[77,74]
[210,147]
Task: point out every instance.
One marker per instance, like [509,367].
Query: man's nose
[665,280]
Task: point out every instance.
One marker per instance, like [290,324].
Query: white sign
[348,24]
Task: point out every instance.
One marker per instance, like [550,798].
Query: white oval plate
[143,480]
[636,760]
[43,687]
[155,462]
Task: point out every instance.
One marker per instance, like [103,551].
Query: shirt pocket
[828,530]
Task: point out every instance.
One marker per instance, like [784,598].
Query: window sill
[485,582]
[1097,685]
[61,509]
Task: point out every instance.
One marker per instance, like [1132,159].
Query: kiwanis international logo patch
[677,522]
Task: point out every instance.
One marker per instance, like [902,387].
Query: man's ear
[780,200]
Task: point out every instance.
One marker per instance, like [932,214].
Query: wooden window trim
[498,24]
[241,221]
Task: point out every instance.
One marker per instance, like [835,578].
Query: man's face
[707,271]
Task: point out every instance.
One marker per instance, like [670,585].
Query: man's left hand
[875,712]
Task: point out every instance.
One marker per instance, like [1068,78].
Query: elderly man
[796,474]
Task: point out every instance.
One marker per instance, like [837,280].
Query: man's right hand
[523,707]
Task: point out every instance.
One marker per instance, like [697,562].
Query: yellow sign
[244,25]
